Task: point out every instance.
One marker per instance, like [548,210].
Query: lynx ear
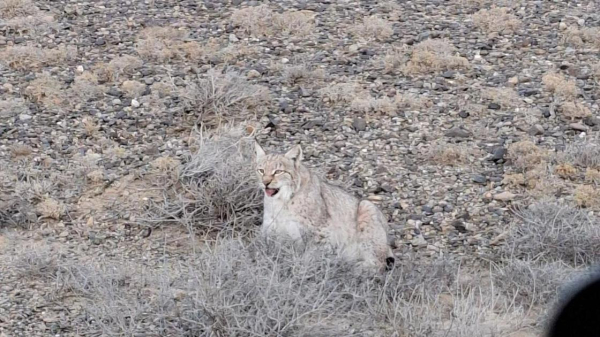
[260,153]
[295,153]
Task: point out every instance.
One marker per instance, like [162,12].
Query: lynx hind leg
[373,236]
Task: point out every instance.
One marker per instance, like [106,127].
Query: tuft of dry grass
[20,150]
[122,65]
[582,37]
[444,153]
[13,107]
[583,153]
[506,97]
[10,9]
[215,187]
[340,92]
[50,208]
[395,58]
[86,87]
[592,175]
[560,86]
[262,21]
[496,19]
[525,155]
[133,88]
[367,104]
[373,28]
[166,43]
[218,97]
[434,55]
[46,90]
[302,74]
[27,57]
[566,171]
[587,196]
[574,110]
[552,231]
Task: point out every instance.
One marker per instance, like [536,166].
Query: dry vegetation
[373,28]
[560,86]
[30,57]
[262,21]
[582,37]
[433,56]
[497,19]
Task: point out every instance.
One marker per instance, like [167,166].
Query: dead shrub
[434,55]
[46,90]
[340,93]
[85,87]
[13,107]
[215,188]
[566,171]
[373,28]
[592,175]
[587,196]
[582,153]
[525,155]
[449,154]
[574,110]
[581,37]
[20,150]
[367,104]
[262,21]
[133,88]
[10,9]
[560,86]
[496,19]
[551,231]
[27,57]
[395,58]
[122,65]
[506,97]
[302,74]
[50,208]
[218,97]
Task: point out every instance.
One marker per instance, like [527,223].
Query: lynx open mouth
[271,191]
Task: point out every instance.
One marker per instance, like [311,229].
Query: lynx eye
[261,171]
[278,172]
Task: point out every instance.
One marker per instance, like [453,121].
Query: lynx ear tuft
[295,153]
[260,153]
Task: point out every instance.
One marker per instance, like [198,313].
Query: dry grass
[395,58]
[566,171]
[46,90]
[340,92]
[552,231]
[592,175]
[20,150]
[583,153]
[133,88]
[574,110]
[10,9]
[365,104]
[28,57]
[506,97]
[166,43]
[86,87]
[560,86]
[582,37]
[525,155]
[262,21]
[218,97]
[434,55]
[497,19]
[124,65]
[272,289]
[587,196]
[215,188]
[50,208]
[444,153]
[373,28]
[302,74]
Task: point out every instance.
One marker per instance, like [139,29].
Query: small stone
[513,80]
[233,38]
[463,114]
[25,117]
[135,103]
[562,26]
[449,74]
[80,69]
[458,133]
[479,178]
[418,241]
[536,130]
[591,121]
[359,124]
[285,60]
[116,101]
[494,106]
[100,42]
[504,196]
[498,154]
[253,74]
[578,127]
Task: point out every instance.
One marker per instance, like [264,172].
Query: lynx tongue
[271,191]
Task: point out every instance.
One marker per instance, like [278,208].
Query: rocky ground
[449,114]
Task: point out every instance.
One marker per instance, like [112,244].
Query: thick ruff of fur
[298,203]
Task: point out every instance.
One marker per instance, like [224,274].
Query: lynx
[297,203]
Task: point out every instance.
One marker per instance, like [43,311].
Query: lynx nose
[267,180]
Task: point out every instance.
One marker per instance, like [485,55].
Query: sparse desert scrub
[582,153]
[525,155]
[444,153]
[553,231]
[133,88]
[365,104]
[373,28]
[582,37]
[267,288]
[340,92]
[85,87]
[496,19]
[46,90]
[165,43]
[215,189]
[27,57]
[10,9]
[505,97]
[302,74]
[592,175]
[560,86]
[217,97]
[574,110]
[434,55]
[50,208]
[124,65]
[587,196]
[262,21]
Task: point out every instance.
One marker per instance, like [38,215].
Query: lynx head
[278,174]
